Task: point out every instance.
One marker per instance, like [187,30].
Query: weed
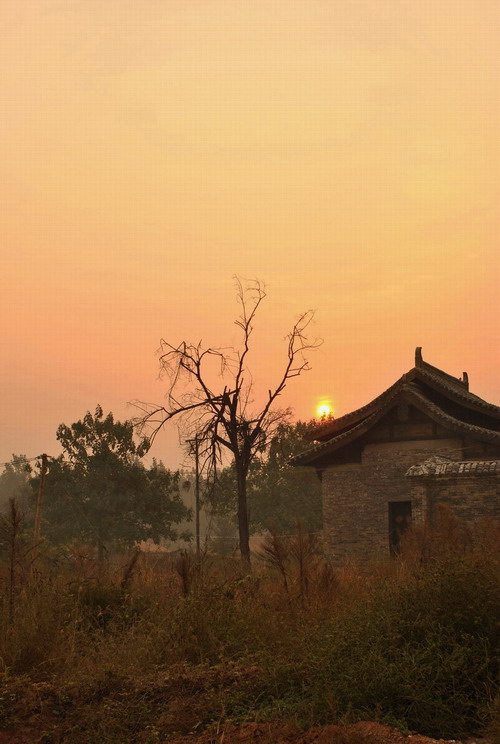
[156,648]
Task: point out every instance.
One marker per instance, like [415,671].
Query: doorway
[399,521]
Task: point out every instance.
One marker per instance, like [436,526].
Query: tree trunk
[15,521]
[243,527]
[101,548]
[101,553]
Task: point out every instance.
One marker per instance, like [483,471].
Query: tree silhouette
[223,418]
[278,493]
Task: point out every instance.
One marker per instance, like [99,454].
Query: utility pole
[195,450]
[197,493]
[39,500]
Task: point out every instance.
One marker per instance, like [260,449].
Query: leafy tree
[100,491]
[278,494]
[224,418]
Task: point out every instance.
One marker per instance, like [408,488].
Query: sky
[344,152]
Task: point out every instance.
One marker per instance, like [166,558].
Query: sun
[324,410]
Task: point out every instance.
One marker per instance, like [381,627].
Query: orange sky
[346,152]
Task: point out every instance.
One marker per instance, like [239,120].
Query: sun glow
[324,410]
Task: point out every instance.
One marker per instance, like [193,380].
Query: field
[155,648]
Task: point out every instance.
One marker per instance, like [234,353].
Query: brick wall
[356,496]
[471,498]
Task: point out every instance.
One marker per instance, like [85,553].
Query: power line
[20,461]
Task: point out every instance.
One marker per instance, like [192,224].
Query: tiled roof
[444,467]
[333,425]
[451,387]
[332,444]
[439,415]
[462,394]
[403,389]
[457,383]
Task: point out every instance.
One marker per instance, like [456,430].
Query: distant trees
[221,414]
[143,503]
[15,484]
[278,494]
[99,491]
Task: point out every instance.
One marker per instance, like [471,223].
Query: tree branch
[223,420]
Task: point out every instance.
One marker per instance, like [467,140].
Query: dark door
[399,521]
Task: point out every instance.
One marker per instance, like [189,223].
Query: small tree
[223,418]
[100,491]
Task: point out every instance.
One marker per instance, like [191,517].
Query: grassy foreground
[155,646]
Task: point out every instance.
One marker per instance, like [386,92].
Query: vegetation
[216,407]
[165,645]
[278,494]
[99,492]
[14,484]
[151,646]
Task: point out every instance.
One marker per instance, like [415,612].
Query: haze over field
[346,153]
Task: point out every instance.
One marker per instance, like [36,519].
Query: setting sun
[324,410]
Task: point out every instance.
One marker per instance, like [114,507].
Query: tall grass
[164,644]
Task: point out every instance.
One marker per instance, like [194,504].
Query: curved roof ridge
[434,411]
[323,429]
[463,394]
[325,446]
[365,423]
[470,428]
[455,381]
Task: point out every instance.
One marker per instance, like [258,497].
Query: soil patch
[364,732]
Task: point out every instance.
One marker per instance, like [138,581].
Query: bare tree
[224,419]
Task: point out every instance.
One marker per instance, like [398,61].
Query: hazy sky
[346,152]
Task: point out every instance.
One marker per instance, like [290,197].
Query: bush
[412,643]
[419,650]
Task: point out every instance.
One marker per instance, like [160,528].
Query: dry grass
[173,644]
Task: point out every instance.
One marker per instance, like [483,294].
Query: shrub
[413,643]
[420,650]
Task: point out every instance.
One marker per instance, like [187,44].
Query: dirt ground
[364,732]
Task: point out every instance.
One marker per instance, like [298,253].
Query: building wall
[471,498]
[356,495]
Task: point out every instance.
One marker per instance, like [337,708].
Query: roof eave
[314,454]
[424,373]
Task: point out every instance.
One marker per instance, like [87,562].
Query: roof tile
[440,466]
[412,392]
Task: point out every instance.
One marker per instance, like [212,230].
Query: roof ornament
[434,465]
[419,362]
[465,380]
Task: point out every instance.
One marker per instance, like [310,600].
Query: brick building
[423,442]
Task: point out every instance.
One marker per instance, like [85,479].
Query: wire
[21,460]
